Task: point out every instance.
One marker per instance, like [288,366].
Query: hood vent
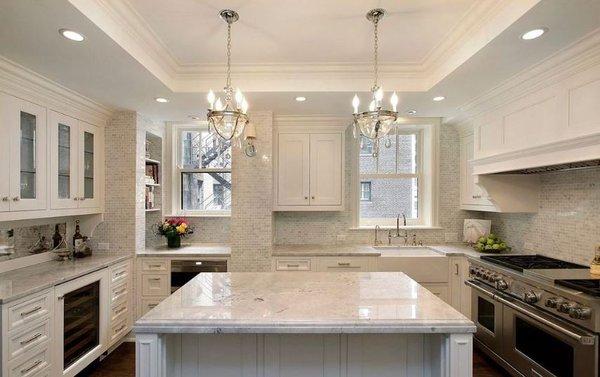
[558,167]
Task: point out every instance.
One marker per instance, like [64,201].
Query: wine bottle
[77,237]
[56,238]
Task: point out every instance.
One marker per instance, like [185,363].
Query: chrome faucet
[376,242]
[398,228]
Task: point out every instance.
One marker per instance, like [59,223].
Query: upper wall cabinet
[74,163]
[24,162]
[309,171]
[52,164]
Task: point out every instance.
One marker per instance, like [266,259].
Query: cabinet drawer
[155,285]
[149,304]
[29,310]
[293,264]
[30,365]
[340,264]
[22,341]
[119,292]
[118,330]
[119,273]
[119,311]
[156,265]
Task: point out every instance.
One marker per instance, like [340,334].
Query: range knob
[580,312]
[501,284]
[553,302]
[566,307]
[531,297]
[494,278]
[472,270]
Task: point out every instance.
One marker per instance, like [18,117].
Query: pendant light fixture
[227,117]
[376,122]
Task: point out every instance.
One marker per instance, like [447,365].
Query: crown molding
[26,84]
[572,59]
[483,21]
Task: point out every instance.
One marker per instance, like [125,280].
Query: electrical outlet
[103,246]
[451,237]
[341,237]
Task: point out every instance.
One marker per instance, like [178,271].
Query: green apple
[490,241]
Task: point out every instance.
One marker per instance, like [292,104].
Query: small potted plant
[174,228]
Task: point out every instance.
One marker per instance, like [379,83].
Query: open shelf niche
[153,187]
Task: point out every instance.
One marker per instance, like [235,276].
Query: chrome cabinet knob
[5,198]
[16,199]
[501,284]
[553,302]
[580,312]
[531,297]
[566,307]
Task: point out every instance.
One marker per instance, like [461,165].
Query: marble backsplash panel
[25,238]
[567,225]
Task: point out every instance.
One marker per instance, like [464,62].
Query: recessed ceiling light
[71,35]
[300,99]
[161,100]
[411,112]
[439,98]
[533,34]
[194,117]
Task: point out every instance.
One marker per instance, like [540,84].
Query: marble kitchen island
[303,324]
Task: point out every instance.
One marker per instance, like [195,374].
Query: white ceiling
[102,69]
[300,31]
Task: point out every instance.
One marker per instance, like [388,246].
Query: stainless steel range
[537,316]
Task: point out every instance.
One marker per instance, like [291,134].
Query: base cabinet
[460,293]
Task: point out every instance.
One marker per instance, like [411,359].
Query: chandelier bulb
[239,98]
[355,103]
[379,95]
[211,99]
[219,104]
[372,106]
[394,101]
[244,106]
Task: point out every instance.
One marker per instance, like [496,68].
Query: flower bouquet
[174,228]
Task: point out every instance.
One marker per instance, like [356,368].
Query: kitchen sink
[407,251]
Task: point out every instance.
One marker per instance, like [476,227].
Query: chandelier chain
[375,51]
[228,55]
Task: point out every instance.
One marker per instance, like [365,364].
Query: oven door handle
[587,339]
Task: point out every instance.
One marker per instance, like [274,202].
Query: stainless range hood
[558,167]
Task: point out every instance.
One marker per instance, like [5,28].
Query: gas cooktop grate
[528,262]
[587,286]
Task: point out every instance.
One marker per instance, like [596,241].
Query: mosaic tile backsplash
[567,225]
[25,237]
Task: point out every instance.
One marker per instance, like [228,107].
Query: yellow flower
[181,229]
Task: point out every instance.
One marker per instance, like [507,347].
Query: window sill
[408,227]
[200,215]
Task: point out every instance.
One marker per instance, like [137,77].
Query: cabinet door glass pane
[88,165]
[28,157]
[64,161]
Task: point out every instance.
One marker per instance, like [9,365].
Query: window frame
[362,197]
[426,174]
[178,171]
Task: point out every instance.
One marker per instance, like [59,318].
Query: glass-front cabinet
[63,157]
[23,152]
[74,159]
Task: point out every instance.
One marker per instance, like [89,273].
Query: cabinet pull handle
[5,198]
[293,265]
[120,328]
[343,264]
[312,197]
[154,266]
[82,198]
[154,279]
[117,293]
[27,341]
[16,199]
[75,198]
[456,271]
[121,310]
[119,274]
[152,306]
[29,312]
[38,362]
[306,198]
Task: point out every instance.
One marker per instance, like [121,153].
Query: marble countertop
[324,250]
[25,281]
[186,250]
[303,302]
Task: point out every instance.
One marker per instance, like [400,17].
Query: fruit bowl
[490,244]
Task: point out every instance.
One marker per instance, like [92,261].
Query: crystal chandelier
[228,119]
[376,122]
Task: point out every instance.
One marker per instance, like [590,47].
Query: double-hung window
[203,172]
[389,180]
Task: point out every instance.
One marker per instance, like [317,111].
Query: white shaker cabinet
[75,157]
[309,173]
[472,196]
[23,174]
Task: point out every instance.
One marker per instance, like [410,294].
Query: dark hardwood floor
[121,363]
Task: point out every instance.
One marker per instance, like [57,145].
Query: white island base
[303,325]
[304,355]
